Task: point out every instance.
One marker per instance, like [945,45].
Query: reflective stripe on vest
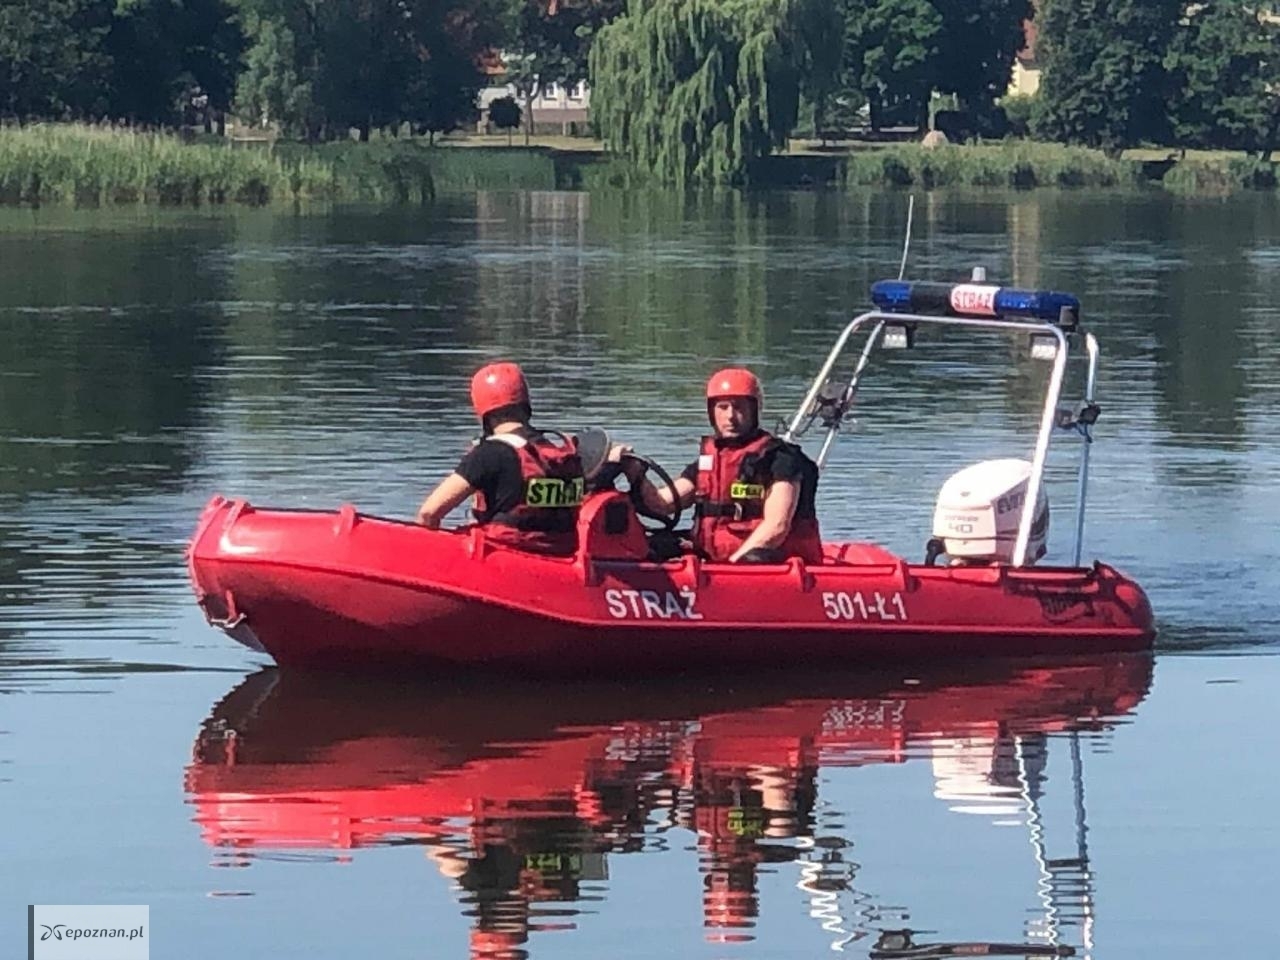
[730,495]
[728,506]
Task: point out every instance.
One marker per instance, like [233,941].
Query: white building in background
[1025,81]
[556,108]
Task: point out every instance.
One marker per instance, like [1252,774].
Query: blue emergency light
[975,300]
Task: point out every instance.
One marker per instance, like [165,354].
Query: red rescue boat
[347,590]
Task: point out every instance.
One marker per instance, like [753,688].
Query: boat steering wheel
[668,521]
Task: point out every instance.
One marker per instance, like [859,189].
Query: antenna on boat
[840,405]
[906,241]
[830,407]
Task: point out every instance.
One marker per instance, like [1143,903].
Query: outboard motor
[976,519]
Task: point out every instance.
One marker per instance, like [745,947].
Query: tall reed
[1220,176]
[76,163]
[1019,164]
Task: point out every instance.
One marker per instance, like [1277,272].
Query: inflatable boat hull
[348,591]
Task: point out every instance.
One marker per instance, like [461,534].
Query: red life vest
[552,486]
[730,492]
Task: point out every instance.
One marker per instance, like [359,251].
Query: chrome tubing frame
[1049,888]
[1082,483]
[1048,417]
[1030,795]
[851,388]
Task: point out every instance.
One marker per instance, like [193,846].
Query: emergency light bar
[975,300]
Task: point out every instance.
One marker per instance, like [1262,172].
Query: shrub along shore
[90,166]
[1018,164]
[86,165]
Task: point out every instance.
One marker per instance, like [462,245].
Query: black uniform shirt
[493,468]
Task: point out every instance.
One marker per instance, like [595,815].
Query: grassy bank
[1220,175]
[367,170]
[1019,164]
[89,165]
[86,165]
[1016,164]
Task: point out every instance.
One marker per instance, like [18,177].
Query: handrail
[1048,418]
[1082,481]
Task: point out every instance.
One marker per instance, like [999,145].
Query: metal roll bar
[1048,418]
[1091,349]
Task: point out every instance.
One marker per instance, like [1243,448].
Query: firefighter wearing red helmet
[527,486]
[752,493]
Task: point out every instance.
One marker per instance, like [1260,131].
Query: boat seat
[608,528]
[857,554]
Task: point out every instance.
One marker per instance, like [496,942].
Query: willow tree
[693,90]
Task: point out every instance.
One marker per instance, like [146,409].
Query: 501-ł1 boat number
[838,605]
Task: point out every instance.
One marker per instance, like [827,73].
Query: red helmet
[496,943]
[734,382]
[498,385]
[725,910]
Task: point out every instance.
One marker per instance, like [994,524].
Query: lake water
[1117,806]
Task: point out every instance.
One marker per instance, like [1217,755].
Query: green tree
[451,41]
[979,42]
[893,49]
[694,90]
[368,58]
[444,97]
[822,74]
[504,113]
[1104,78]
[52,58]
[898,53]
[278,82]
[322,67]
[146,62]
[551,42]
[213,47]
[173,59]
[1224,74]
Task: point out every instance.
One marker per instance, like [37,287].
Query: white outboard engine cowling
[978,512]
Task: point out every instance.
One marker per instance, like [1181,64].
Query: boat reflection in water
[519,792]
